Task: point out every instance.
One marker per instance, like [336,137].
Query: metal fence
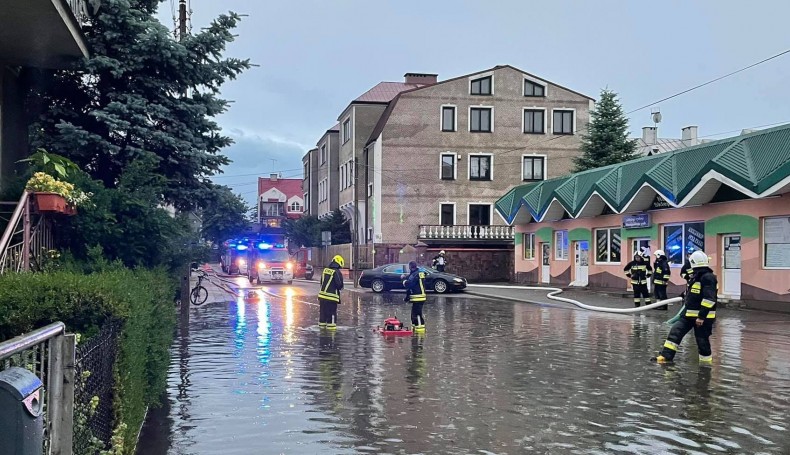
[48,353]
[93,390]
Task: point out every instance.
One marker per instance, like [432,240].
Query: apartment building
[327,176]
[442,154]
[422,162]
[310,182]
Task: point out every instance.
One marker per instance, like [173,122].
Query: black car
[391,276]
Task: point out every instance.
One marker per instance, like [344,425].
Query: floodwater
[256,377]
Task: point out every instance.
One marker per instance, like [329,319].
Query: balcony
[466,234]
[43,33]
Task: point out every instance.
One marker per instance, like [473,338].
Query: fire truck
[270,262]
[235,257]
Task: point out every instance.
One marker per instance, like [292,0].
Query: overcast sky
[316,56]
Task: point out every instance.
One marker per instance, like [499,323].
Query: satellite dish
[657,117]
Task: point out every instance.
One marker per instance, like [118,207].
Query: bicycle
[199,293]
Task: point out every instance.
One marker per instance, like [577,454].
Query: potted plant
[50,194]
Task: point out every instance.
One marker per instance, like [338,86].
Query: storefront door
[581,259]
[640,245]
[545,269]
[732,266]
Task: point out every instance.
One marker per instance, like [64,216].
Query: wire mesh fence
[94,390]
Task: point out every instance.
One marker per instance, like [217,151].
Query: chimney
[273,177]
[649,135]
[419,78]
[689,136]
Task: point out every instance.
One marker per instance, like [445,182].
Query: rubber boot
[331,325]
[706,360]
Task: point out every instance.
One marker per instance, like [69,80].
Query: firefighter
[329,293]
[440,261]
[700,313]
[687,272]
[415,293]
[639,272]
[661,277]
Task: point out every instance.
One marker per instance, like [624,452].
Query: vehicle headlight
[289,266]
[242,262]
[261,265]
[458,280]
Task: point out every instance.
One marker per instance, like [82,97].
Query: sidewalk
[218,292]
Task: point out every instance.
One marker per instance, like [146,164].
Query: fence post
[61,394]
[185,283]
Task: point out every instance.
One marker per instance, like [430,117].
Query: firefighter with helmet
[700,312]
[329,293]
[440,261]
[415,293]
[639,271]
[661,277]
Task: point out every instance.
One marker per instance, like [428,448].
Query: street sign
[326,238]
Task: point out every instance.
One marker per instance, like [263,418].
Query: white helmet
[441,252]
[698,259]
[659,253]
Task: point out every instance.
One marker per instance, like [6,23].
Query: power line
[710,81]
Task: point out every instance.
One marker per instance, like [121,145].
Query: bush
[142,299]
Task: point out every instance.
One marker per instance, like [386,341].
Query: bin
[21,418]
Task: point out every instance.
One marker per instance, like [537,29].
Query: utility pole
[182,19]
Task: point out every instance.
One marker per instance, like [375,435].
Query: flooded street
[251,377]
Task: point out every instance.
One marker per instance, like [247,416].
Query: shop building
[728,198]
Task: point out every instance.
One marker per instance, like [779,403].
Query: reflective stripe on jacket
[331,283]
[638,271]
[662,273]
[701,296]
[415,286]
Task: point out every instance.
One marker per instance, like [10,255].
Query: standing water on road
[252,377]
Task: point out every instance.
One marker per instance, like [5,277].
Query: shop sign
[641,220]
[660,203]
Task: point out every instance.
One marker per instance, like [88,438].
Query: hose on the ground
[552,294]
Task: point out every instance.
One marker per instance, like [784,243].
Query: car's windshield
[274,256]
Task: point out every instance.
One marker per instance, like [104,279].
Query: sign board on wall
[660,203]
[640,220]
[776,236]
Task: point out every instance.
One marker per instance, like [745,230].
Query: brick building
[279,199]
[423,161]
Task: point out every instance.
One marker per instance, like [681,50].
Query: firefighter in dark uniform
[639,272]
[415,293]
[440,261]
[329,293]
[661,275]
[687,272]
[700,312]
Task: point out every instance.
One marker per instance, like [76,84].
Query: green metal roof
[752,163]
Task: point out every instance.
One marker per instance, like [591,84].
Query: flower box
[71,210]
[50,202]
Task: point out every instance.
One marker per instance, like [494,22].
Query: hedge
[141,299]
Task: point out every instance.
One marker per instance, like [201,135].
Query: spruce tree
[606,141]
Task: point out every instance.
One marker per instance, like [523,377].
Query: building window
[346,130]
[323,154]
[480,119]
[295,207]
[534,121]
[370,234]
[481,86]
[447,215]
[480,214]
[533,168]
[306,171]
[448,118]
[533,89]
[480,167]
[529,245]
[682,239]
[561,245]
[448,166]
[343,177]
[776,243]
[607,246]
[563,122]
[307,202]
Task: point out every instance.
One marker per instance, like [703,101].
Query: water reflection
[488,377]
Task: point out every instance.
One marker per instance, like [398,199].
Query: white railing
[26,238]
[466,232]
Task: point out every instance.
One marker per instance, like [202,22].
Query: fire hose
[552,294]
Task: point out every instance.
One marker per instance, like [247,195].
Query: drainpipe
[26,236]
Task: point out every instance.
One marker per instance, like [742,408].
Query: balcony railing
[81,9]
[466,232]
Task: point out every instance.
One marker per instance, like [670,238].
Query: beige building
[442,154]
[423,161]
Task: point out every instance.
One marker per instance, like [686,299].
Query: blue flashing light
[241,247]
